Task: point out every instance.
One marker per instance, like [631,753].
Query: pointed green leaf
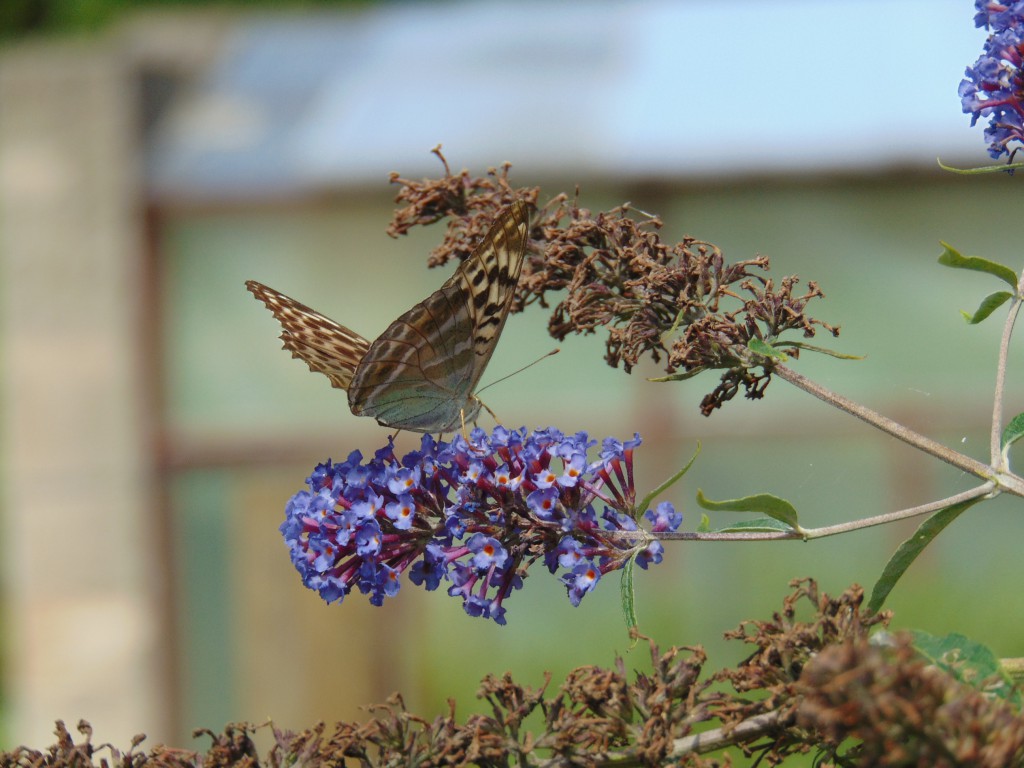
[675,326]
[1005,168]
[765,503]
[759,525]
[705,523]
[627,595]
[823,350]
[763,348]
[1014,431]
[646,501]
[952,258]
[683,376]
[991,303]
[910,549]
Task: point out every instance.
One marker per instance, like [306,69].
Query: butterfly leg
[493,414]
[462,417]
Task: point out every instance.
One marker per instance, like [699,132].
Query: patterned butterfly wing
[421,372]
[324,345]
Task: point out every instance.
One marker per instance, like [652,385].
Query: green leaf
[765,503]
[952,258]
[627,595]
[910,549]
[705,524]
[968,661]
[646,501]
[683,376]
[1014,669]
[823,350]
[763,348]
[1013,432]
[759,525]
[981,169]
[952,651]
[991,303]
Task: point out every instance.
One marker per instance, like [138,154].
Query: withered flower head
[682,304]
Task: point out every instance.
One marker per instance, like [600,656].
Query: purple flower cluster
[476,513]
[994,86]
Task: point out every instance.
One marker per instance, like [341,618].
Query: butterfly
[421,373]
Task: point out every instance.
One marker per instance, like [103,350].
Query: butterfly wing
[421,372]
[324,345]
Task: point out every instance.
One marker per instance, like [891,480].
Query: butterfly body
[421,373]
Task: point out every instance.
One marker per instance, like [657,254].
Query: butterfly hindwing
[419,371]
[324,345]
[437,351]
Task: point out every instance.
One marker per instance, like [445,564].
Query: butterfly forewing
[324,345]
[421,372]
[490,277]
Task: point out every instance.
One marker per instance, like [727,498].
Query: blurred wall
[81,573]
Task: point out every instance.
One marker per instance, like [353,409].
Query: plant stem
[1004,481]
[719,738]
[806,534]
[901,514]
[996,439]
[703,742]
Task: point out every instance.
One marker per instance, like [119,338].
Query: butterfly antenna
[507,376]
[515,373]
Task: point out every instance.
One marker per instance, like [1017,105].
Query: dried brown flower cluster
[668,302]
[904,711]
[812,685]
[470,203]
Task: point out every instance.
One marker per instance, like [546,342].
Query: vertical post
[79,576]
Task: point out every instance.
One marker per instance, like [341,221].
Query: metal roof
[664,90]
